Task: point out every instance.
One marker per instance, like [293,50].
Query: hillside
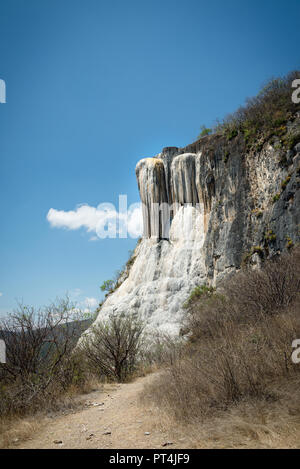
[229,199]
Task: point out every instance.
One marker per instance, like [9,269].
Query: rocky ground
[113,418]
[117,417]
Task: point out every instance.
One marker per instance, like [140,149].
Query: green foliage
[276,197]
[257,213]
[231,133]
[285,182]
[201,291]
[291,140]
[270,236]
[204,131]
[131,259]
[258,250]
[265,115]
[289,243]
[254,250]
[108,286]
[226,156]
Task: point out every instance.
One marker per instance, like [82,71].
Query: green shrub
[285,182]
[198,292]
[270,236]
[254,250]
[204,131]
[226,156]
[265,114]
[289,243]
[108,286]
[231,133]
[291,140]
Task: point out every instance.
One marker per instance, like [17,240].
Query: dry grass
[235,374]
[15,428]
[266,114]
[250,423]
[18,429]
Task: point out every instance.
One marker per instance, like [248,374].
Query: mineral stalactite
[202,214]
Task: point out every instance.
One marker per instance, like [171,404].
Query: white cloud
[83,304]
[76,292]
[91,303]
[83,216]
[98,220]
[135,221]
[1,294]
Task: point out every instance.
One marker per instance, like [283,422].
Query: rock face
[207,208]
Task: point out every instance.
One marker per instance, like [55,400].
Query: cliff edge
[208,208]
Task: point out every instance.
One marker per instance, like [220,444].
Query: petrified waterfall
[168,260]
[166,184]
[200,207]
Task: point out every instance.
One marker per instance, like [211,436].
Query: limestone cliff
[207,208]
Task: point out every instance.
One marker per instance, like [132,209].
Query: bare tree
[39,346]
[113,345]
[268,290]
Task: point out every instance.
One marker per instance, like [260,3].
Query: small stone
[57,442]
[167,443]
[147,433]
[107,433]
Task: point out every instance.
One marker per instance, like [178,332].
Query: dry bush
[239,343]
[265,114]
[40,365]
[12,430]
[269,290]
[111,348]
[159,349]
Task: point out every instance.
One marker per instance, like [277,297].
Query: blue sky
[93,86]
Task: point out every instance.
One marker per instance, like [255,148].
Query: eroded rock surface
[220,205]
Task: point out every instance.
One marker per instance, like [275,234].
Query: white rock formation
[202,213]
[169,262]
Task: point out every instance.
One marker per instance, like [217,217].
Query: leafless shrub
[112,347]
[159,349]
[239,343]
[269,290]
[39,364]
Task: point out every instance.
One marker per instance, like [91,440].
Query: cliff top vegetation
[263,116]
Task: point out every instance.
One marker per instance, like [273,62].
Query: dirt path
[114,418]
